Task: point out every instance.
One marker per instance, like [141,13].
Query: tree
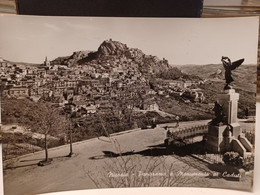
[129,103]
[70,114]
[48,121]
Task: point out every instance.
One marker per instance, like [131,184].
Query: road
[94,158]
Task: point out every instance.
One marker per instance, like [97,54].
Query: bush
[233,158]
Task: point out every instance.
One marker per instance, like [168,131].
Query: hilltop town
[120,85]
[95,79]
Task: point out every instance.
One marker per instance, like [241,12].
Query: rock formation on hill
[116,54]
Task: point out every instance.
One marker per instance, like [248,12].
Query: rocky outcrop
[110,47]
[76,57]
[146,63]
[71,60]
[111,51]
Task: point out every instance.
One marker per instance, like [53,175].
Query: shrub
[233,158]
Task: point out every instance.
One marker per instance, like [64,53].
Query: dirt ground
[105,162]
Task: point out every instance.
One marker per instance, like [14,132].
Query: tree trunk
[70,154]
[46,147]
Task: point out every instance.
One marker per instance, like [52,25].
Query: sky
[180,41]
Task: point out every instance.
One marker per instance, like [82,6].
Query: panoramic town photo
[92,103]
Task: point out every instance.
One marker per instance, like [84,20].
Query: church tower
[47,62]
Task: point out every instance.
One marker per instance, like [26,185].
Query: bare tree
[70,114]
[49,122]
[125,108]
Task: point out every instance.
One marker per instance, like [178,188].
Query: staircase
[242,146]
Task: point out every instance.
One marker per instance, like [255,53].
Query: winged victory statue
[229,66]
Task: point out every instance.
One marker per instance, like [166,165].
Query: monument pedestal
[218,138]
[229,102]
[228,136]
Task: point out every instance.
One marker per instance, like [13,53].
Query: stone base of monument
[226,138]
[229,137]
[236,130]
[218,139]
[229,101]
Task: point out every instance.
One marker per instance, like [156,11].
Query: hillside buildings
[94,81]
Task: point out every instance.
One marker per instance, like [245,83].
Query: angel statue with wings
[228,68]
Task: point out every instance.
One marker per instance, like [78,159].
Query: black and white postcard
[90,103]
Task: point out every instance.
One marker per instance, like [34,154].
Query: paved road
[91,157]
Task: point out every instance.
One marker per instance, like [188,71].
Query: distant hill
[22,63]
[244,75]
[245,78]
[204,71]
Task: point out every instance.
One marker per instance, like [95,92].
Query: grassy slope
[244,84]
[244,76]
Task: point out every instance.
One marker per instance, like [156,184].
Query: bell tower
[47,62]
